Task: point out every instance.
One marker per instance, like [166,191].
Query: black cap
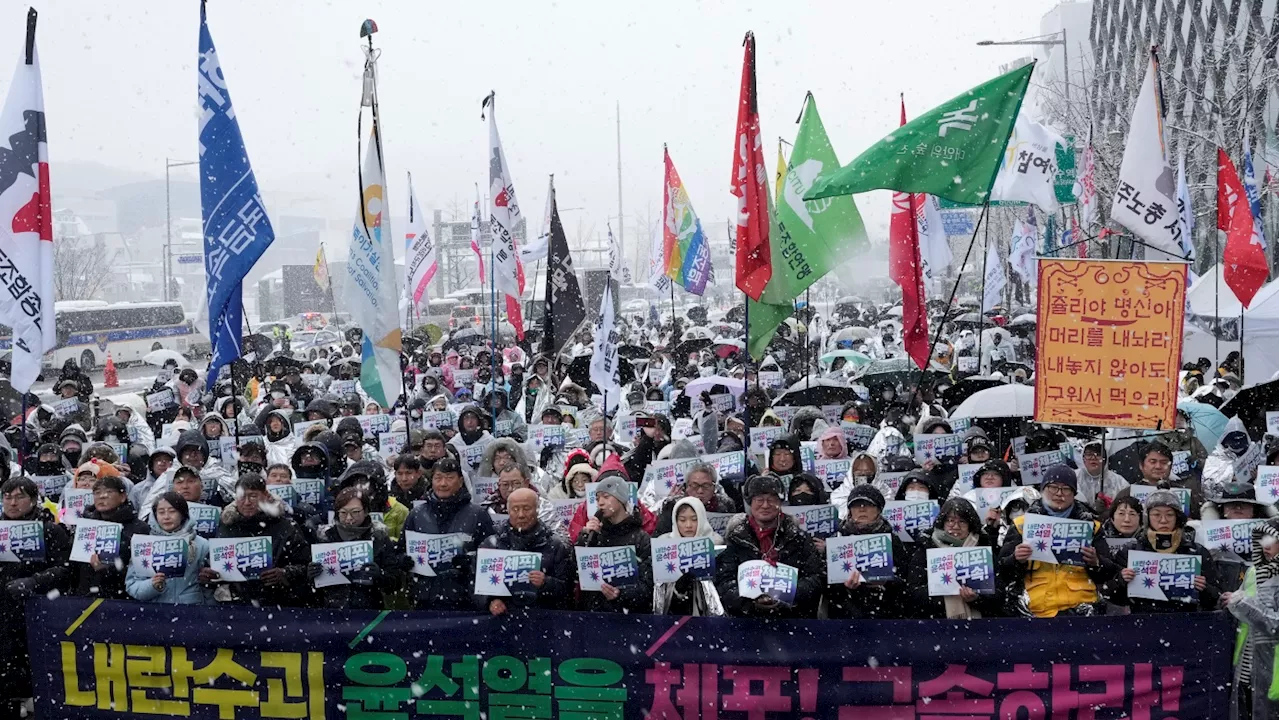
[868,494]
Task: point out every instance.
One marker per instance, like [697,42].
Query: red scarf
[764,536]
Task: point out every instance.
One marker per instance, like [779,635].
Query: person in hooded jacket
[1099,485]
[72,441]
[500,452]
[957,525]
[369,583]
[214,428]
[856,599]
[784,458]
[1234,451]
[766,533]
[354,445]
[172,518]
[688,595]
[944,471]
[509,423]
[28,577]
[104,578]
[471,440]
[193,452]
[136,426]
[158,463]
[862,471]
[258,513]
[617,524]
[552,585]
[832,445]
[370,479]
[1256,686]
[1166,534]
[278,430]
[448,509]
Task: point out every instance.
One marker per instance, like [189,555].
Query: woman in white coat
[688,595]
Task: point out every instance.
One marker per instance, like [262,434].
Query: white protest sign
[909,517]
[674,558]
[952,568]
[21,540]
[615,566]
[340,558]
[1267,485]
[1033,466]
[502,572]
[96,537]
[155,554]
[871,555]
[1057,541]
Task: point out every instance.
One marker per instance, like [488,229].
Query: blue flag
[236,228]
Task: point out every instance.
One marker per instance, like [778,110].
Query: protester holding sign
[257,513]
[856,598]
[1166,534]
[957,526]
[1156,466]
[513,477]
[700,482]
[1257,673]
[368,583]
[1098,485]
[689,595]
[448,509]
[768,534]
[100,577]
[171,518]
[552,586]
[472,438]
[1043,589]
[616,524]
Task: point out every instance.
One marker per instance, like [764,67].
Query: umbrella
[1206,420]
[1251,405]
[633,352]
[852,333]
[1021,320]
[464,337]
[895,311]
[410,343]
[853,357]
[990,333]
[162,356]
[725,347]
[820,391]
[258,344]
[1004,401]
[579,371]
[892,371]
[682,351]
[971,319]
[697,385]
[967,387]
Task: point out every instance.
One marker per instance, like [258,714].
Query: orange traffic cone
[109,377]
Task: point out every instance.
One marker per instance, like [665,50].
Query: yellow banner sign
[1108,342]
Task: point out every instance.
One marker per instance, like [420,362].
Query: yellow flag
[782,171]
[321,271]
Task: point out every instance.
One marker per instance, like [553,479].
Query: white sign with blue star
[1158,576]
[953,568]
[1058,541]
[96,537]
[673,558]
[340,558]
[871,555]
[757,577]
[503,573]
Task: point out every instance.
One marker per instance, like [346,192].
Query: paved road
[133,379]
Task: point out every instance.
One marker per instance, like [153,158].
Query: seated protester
[409,484]
[257,513]
[806,489]
[1254,606]
[525,532]
[1156,468]
[500,453]
[214,428]
[280,442]
[512,477]
[100,578]
[193,451]
[354,444]
[649,442]
[1099,485]
[187,484]
[385,574]
[1165,534]
[72,440]
[600,433]
[470,432]
[856,599]
[616,524]
[311,462]
[992,474]
[28,577]
[1220,466]
[701,483]
[957,526]
[648,521]
[1041,589]
[784,458]
[688,595]
[136,427]
[766,533]
[446,509]
[832,445]
[944,473]
[574,483]
[85,476]
[1236,501]
[171,518]
[916,486]
[370,478]
[308,517]
[977,449]
[1123,520]
[862,471]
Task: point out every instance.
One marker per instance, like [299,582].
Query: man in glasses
[699,482]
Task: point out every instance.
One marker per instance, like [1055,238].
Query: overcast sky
[120,89]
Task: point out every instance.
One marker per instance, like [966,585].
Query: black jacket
[109,581]
[558,564]
[636,598]
[22,580]
[925,606]
[417,492]
[880,601]
[290,552]
[795,548]
[641,456]
[1140,606]
[390,564]
[451,588]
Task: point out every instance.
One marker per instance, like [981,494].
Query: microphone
[593,536]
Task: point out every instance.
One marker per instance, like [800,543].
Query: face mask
[72,455]
[861,479]
[917,495]
[802,498]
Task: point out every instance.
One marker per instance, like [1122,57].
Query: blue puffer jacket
[185,590]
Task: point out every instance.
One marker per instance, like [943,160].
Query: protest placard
[239,559]
[953,568]
[98,537]
[1058,541]
[503,573]
[757,577]
[871,555]
[156,554]
[1164,577]
[676,557]
[616,566]
[910,517]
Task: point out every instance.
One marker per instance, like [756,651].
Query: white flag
[420,254]
[1029,165]
[604,359]
[1187,216]
[535,250]
[504,214]
[1146,191]
[935,249]
[615,255]
[657,271]
[1085,188]
[1022,248]
[993,287]
[26,231]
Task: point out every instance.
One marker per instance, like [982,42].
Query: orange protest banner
[1109,340]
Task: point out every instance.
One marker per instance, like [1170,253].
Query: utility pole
[618,113]
[168,225]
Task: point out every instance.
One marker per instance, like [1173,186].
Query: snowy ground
[133,380]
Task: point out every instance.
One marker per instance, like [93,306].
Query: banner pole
[982,299]
[746,331]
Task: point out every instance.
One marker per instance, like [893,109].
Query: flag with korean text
[1022,248]
[1029,165]
[420,253]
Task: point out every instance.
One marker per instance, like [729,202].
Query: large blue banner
[124,660]
[236,228]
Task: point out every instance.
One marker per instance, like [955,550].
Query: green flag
[809,239]
[953,151]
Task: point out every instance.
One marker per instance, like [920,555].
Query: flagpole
[982,301]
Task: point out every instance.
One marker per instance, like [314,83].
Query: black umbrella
[820,392]
[1251,405]
[895,371]
[579,371]
[973,319]
[633,352]
[258,344]
[353,335]
[682,351]
[410,343]
[464,337]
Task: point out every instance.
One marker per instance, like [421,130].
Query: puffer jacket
[108,582]
[219,482]
[1043,589]
[388,557]
[290,551]
[558,565]
[30,577]
[451,588]
[872,601]
[1137,606]
[514,447]
[794,547]
[636,598]
[185,590]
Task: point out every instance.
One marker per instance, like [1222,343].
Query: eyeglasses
[348,514]
[699,486]
[1058,490]
[767,500]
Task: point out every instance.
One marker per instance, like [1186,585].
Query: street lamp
[1043,41]
[168,222]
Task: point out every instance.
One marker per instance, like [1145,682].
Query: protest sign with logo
[757,578]
[1233,535]
[728,465]
[832,471]
[392,443]
[676,557]
[156,554]
[96,537]
[858,434]
[300,427]
[871,555]
[239,559]
[1273,423]
[820,521]
[1164,577]
[205,518]
[373,425]
[719,521]
[761,437]
[1033,465]
[891,482]
[939,448]
[566,508]
[910,517]
[986,499]
[21,540]
[310,490]
[545,436]
[51,485]
[615,566]
[771,379]
[964,481]
[161,400]
[474,453]
[338,559]
[438,419]
[430,552]
[1267,485]
[1058,541]
[286,494]
[662,477]
[503,573]
[953,568]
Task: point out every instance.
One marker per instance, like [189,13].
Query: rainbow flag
[684,245]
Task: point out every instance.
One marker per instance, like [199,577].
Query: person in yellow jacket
[1255,606]
[1040,589]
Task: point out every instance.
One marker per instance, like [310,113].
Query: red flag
[1077,236]
[748,183]
[1244,264]
[904,269]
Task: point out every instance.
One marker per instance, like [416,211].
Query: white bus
[88,329]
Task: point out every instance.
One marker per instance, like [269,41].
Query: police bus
[88,329]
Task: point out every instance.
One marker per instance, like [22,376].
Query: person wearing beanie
[1042,589]
[616,524]
[977,448]
[257,513]
[1098,486]
[612,466]
[104,578]
[784,458]
[1257,672]
[770,535]
[855,599]
[1166,533]
[957,526]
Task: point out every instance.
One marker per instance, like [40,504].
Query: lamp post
[1043,41]
[168,222]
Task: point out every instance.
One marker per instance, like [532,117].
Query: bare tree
[82,267]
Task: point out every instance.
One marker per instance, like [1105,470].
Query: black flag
[563,311]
